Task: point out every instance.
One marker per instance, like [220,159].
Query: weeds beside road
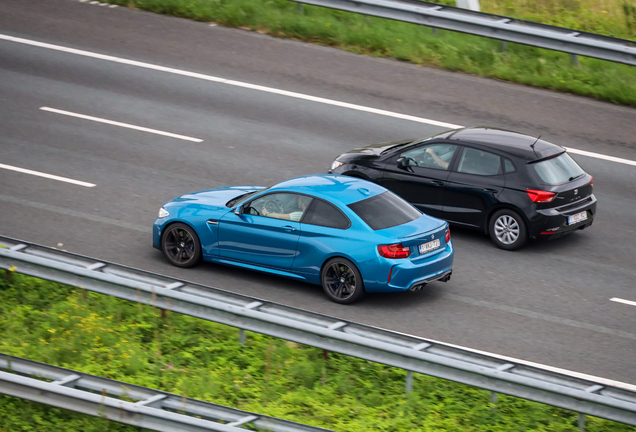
[130,342]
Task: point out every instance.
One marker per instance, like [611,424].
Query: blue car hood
[217,197]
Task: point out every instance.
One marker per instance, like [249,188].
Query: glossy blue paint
[299,250]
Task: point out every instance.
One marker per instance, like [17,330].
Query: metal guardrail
[410,353]
[491,26]
[126,403]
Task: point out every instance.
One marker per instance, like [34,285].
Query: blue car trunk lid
[419,231]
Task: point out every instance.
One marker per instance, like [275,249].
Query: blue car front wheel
[341,281]
[181,245]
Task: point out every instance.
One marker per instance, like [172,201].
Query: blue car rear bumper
[396,275]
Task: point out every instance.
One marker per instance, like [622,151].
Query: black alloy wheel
[341,281]
[507,230]
[181,245]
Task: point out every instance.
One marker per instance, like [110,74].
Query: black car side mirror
[403,163]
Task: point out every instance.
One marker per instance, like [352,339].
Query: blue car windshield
[242,198]
[385,211]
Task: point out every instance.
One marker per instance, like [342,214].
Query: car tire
[507,230]
[181,245]
[341,281]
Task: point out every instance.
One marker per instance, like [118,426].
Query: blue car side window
[281,206]
[324,214]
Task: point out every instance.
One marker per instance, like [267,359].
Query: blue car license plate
[427,247]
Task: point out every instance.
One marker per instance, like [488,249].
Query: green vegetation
[454,51]
[616,18]
[105,336]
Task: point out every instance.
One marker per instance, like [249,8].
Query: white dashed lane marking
[272,90]
[620,300]
[124,125]
[45,175]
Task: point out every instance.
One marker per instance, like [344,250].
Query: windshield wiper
[575,177]
[395,147]
[233,201]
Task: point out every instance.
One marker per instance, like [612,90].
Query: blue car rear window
[385,211]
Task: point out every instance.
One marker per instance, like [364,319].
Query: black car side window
[436,156]
[509,166]
[324,214]
[479,162]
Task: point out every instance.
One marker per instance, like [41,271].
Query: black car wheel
[507,230]
[181,245]
[341,281]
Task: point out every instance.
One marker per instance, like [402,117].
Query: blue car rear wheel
[181,245]
[341,281]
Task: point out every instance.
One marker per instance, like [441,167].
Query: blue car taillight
[394,251]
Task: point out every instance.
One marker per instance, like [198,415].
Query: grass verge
[372,36]
[130,342]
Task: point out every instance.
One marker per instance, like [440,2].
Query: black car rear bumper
[553,223]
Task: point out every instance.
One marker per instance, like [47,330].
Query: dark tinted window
[385,211]
[558,170]
[324,214]
[479,162]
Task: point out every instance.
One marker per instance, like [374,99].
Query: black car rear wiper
[575,177]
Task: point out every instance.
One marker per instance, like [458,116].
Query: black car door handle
[438,183]
[491,190]
[289,228]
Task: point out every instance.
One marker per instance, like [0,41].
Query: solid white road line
[226,81]
[124,125]
[272,90]
[627,302]
[48,176]
[602,156]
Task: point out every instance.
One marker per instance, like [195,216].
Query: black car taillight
[540,196]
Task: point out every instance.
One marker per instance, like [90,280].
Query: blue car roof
[332,187]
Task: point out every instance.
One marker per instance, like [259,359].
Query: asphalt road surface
[217,110]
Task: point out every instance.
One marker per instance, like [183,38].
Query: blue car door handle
[213,222]
[289,228]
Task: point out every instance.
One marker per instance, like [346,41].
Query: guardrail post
[582,422]
[493,399]
[242,337]
[300,8]
[409,382]
[575,60]
[503,46]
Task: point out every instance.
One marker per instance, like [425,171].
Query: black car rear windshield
[558,170]
[385,211]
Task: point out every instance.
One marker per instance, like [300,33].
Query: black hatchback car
[510,185]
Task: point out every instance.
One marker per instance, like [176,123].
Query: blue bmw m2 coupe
[347,234]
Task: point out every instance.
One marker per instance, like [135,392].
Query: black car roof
[514,143]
